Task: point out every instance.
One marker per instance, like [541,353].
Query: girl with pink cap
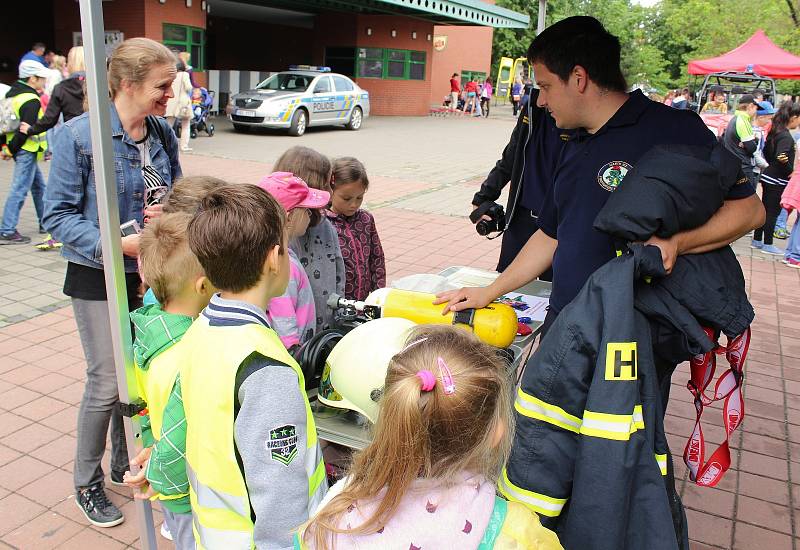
[293,314]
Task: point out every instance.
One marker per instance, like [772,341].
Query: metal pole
[542,14]
[93,32]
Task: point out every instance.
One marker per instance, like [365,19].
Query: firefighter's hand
[464,298]
[669,251]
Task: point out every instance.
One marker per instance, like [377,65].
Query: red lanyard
[728,387]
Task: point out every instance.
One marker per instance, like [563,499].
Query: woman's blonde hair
[185,57]
[426,434]
[75,60]
[133,60]
[59,62]
[309,165]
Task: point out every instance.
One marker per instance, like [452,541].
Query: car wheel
[240,128]
[356,118]
[299,123]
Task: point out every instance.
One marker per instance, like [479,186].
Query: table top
[341,426]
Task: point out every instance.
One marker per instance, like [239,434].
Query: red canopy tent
[759,55]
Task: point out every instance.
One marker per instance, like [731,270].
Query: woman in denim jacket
[140,77]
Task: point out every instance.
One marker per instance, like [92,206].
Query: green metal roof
[439,12]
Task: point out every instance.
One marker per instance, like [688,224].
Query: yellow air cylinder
[495,324]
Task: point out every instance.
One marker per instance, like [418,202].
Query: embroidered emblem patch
[611,174]
[282,444]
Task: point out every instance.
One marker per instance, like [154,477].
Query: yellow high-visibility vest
[34,144]
[217,489]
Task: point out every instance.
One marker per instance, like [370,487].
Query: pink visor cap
[292,192]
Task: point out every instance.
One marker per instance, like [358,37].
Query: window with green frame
[187,39]
[391,64]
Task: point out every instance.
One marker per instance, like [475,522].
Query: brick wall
[468,49]
[397,97]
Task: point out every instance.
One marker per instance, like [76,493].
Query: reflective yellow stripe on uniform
[539,503]
[208,537]
[528,405]
[662,463]
[610,426]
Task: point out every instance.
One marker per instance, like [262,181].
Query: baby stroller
[201,116]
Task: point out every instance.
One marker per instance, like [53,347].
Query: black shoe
[42,230]
[116,478]
[14,238]
[95,505]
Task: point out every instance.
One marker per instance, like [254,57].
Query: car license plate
[242,112]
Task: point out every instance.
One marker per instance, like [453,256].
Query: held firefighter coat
[590,450]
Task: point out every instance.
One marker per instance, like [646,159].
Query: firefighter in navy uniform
[577,68]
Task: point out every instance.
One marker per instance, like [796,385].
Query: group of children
[239,276]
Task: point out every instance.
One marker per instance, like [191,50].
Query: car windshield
[287,81]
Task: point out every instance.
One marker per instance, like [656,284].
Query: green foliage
[659,41]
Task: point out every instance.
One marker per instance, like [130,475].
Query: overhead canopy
[440,12]
[757,55]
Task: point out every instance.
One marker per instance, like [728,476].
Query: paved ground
[419,207]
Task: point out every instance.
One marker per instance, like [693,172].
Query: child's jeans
[180,526]
[783,217]
[793,244]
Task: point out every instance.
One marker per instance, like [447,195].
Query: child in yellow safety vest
[252,457]
[179,283]
[429,477]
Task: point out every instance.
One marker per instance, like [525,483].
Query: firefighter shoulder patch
[282,444]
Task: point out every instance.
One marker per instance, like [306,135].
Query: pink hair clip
[447,378]
[428,380]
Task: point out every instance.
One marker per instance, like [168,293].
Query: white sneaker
[185,149]
[165,531]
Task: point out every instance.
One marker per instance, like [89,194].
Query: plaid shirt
[166,470]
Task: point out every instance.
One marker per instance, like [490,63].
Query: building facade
[402,51]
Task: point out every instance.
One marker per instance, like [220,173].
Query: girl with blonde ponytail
[428,478]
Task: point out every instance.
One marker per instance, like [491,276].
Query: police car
[298,98]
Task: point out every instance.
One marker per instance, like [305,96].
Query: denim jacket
[70,200]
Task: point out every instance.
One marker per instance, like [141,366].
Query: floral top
[364,262]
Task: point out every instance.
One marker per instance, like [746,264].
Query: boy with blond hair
[252,456]
[182,290]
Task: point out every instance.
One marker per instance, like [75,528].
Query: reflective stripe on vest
[210,360]
[38,142]
[539,503]
[610,426]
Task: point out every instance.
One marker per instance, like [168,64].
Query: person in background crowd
[186,57]
[682,101]
[179,106]
[26,151]
[36,54]
[716,103]
[669,98]
[58,68]
[486,96]
[471,89]
[455,91]
[140,76]
[516,94]
[740,138]
[779,153]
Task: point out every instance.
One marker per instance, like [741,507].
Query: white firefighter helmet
[355,371]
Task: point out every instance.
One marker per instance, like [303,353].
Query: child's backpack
[9,122]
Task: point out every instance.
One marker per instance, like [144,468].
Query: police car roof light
[309,68]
